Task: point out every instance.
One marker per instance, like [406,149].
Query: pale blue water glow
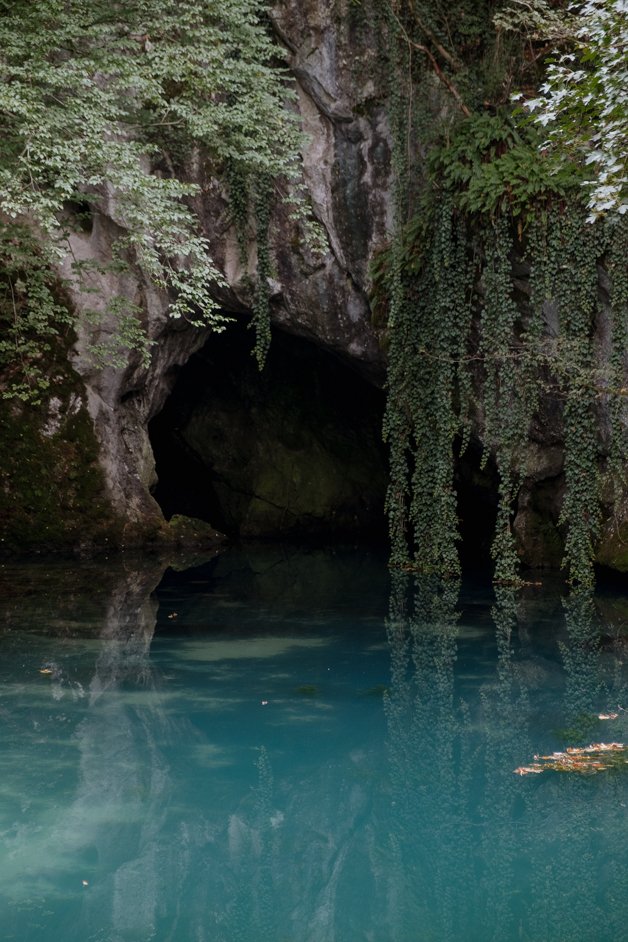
[276,747]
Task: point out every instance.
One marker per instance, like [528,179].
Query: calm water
[284,747]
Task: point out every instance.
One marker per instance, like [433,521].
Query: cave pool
[282,745]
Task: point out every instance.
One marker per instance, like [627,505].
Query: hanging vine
[492,199]
[615,399]
[397,430]
[502,399]
[578,293]
[261,304]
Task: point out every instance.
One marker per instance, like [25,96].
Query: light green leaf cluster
[583,104]
[89,92]
[538,19]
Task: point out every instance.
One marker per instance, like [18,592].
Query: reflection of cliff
[124,785]
[226,778]
[428,764]
[477,852]
[71,859]
[180,822]
[578,835]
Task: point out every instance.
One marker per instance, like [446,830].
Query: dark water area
[294,746]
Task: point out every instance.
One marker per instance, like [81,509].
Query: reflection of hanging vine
[585,694]
[506,717]
[429,747]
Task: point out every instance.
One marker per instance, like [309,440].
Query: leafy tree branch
[87,88]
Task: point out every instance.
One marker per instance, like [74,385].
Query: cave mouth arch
[293,452]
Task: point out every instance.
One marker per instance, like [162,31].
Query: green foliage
[493,164]
[426,359]
[87,90]
[577,295]
[261,306]
[31,314]
[52,488]
[582,106]
[504,428]
[616,383]
[495,201]
[536,19]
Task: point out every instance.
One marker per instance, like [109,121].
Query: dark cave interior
[293,452]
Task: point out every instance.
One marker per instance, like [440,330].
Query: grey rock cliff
[346,173]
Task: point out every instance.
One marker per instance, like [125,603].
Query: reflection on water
[290,747]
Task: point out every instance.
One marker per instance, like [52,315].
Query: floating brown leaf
[586,760]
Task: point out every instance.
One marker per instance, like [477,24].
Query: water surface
[282,746]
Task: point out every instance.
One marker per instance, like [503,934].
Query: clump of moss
[52,488]
[613,550]
[188,531]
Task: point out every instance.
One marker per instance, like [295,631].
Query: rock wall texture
[331,53]
[346,171]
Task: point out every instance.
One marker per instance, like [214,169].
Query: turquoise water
[285,747]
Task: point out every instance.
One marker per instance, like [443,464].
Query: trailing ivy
[238,185]
[502,402]
[261,305]
[427,354]
[617,385]
[397,429]
[578,298]
[494,202]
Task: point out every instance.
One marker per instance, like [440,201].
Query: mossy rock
[52,488]
[613,550]
[189,532]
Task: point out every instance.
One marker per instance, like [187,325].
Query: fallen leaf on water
[598,757]
[596,747]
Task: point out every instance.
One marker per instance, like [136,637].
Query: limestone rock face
[346,172]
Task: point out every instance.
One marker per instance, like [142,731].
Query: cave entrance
[477,492]
[292,452]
